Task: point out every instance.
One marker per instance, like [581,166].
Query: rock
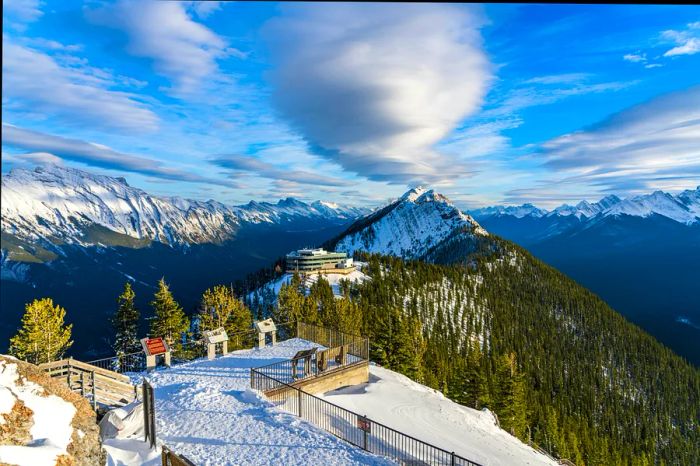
[85,447]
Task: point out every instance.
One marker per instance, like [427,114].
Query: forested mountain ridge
[557,365]
[639,254]
[489,325]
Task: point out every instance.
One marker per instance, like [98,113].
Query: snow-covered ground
[51,431]
[400,403]
[206,411]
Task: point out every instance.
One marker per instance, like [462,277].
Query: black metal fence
[149,414]
[133,362]
[354,428]
[325,336]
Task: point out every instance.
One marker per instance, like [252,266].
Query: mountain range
[682,208]
[69,232]
[52,206]
[77,237]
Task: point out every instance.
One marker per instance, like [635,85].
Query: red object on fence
[156,346]
[364,424]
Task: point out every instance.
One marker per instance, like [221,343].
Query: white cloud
[375,86]
[34,83]
[687,40]
[183,50]
[23,10]
[242,163]
[635,57]
[643,146]
[205,8]
[98,155]
[689,47]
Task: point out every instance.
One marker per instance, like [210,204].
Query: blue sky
[355,103]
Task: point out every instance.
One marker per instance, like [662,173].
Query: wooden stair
[100,386]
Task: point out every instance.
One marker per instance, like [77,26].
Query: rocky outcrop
[33,397]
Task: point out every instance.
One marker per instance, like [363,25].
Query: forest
[501,330]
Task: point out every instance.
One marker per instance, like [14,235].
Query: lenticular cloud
[375,87]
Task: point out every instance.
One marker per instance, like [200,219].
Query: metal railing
[132,362]
[325,336]
[354,428]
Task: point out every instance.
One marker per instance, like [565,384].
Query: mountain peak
[419,223]
[290,202]
[412,194]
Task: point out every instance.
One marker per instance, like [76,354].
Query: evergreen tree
[44,337]
[347,317]
[221,308]
[290,303]
[169,321]
[126,322]
[476,384]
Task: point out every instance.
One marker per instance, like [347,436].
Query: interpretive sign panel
[265,326]
[215,336]
[154,346]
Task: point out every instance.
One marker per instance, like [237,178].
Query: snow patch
[51,432]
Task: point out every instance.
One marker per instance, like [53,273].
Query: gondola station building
[319,261]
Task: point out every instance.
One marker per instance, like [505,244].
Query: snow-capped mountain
[683,208]
[410,227]
[520,211]
[55,204]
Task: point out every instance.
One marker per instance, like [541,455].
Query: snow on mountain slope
[269,291]
[207,412]
[683,208]
[58,202]
[525,210]
[409,227]
[398,402]
[660,203]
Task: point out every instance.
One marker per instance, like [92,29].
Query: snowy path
[206,411]
[398,402]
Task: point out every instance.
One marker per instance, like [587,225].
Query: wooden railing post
[94,392]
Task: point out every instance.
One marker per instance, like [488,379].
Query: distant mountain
[78,236]
[53,205]
[683,208]
[640,254]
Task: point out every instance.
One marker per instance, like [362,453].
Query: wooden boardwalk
[100,386]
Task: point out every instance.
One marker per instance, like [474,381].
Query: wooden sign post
[212,337]
[264,327]
[154,347]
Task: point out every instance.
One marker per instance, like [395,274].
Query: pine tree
[221,308]
[44,337]
[290,304]
[169,320]
[510,404]
[476,384]
[126,322]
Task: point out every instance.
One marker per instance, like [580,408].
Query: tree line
[44,335]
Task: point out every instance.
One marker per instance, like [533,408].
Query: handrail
[102,385]
[450,457]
